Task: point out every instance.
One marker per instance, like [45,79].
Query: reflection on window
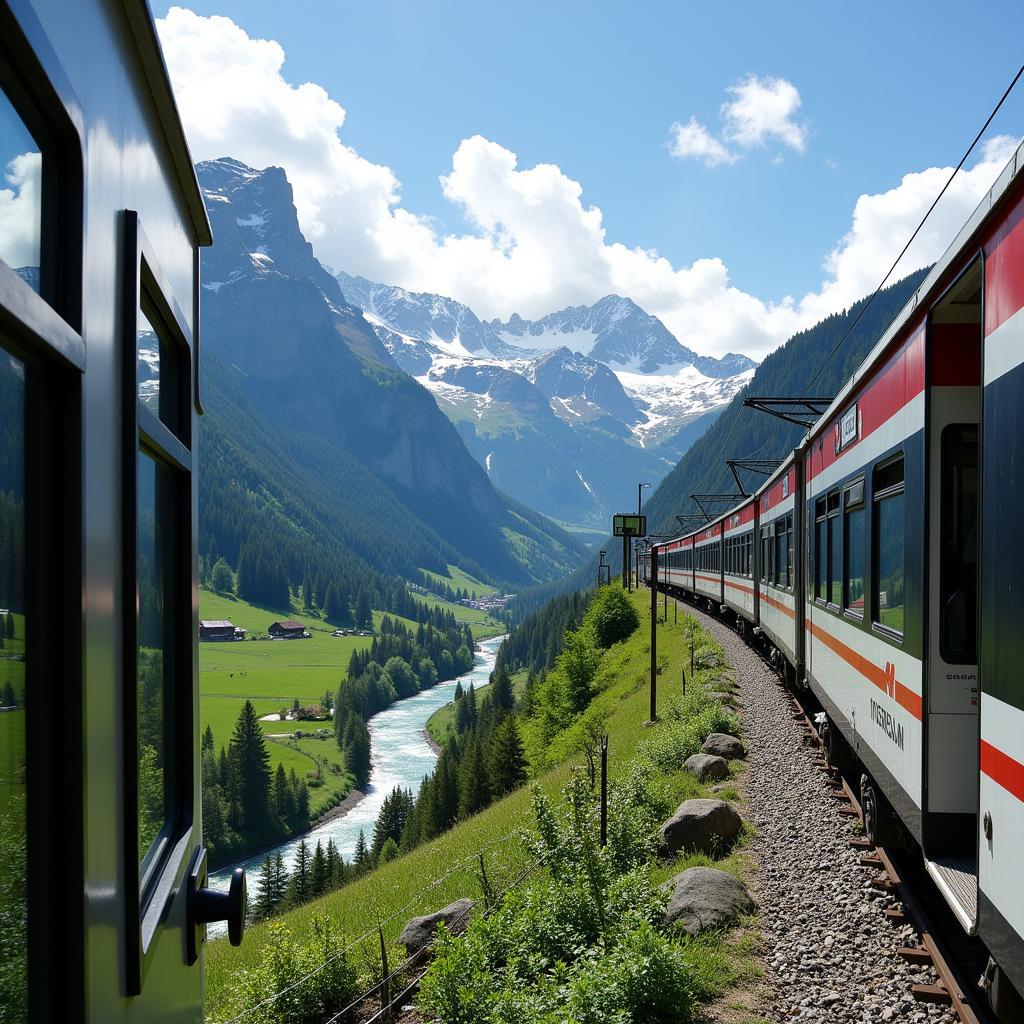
[821,551]
[153,580]
[835,556]
[21,200]
[148,365]
[958,567]
[889,545]
[13,823]
[855,561]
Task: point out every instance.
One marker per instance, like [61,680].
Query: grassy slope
[458,580]
[448,865]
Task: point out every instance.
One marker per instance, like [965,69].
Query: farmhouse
[217,629]
[287,629]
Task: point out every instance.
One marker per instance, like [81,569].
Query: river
[400,756]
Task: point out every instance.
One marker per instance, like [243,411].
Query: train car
[738,562]
[778,563]
[102,867]
[675,564]
[708,579]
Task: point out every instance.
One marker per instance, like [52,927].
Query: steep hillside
[330,403]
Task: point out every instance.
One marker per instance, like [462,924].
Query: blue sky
[884,90]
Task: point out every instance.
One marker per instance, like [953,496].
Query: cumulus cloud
[19,211]
[694,140]
[764,109]
[533,244]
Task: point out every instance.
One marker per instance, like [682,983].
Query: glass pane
[13,824]
[821,565]
[835,561]
[21,199]
[890,562]
[149,365]
[958,570]
[855,560]
[153,599]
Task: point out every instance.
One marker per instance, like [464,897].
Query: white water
[400,756]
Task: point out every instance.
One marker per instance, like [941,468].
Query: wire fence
[370,932]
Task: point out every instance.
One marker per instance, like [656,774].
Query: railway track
[953,987]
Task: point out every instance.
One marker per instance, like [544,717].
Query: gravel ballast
[828,953]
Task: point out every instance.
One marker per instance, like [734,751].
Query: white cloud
[534,245]
[19,211]
[764,109]
[694,140]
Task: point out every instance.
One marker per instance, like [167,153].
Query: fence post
[604,790]
[691,648]
[654,633]
[385,988]
[485,885]
[683,670]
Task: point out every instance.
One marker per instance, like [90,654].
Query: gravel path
[829,954]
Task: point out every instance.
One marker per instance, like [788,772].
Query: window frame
[852,506]
[43,332]
[834,521]
[820,524]
[151,886]
[879,495]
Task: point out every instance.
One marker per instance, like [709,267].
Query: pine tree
[281,879]
[474,792]
[263,905]
[9,699]
[501,689]
[364,616]
[506,761]
[458,692]
[301,794]
[252,766]
[388,852]
[300,888]
[307,591]
[207,740]
[335,866]
[10,625]
[284,798]
[362,858]
[318,873]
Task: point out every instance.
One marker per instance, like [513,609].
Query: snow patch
[252,221]
[590,490]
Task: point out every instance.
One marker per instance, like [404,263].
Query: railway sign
[629,525]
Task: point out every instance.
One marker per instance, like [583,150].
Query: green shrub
[612,616]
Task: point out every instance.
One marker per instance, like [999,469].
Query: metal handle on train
[208,905]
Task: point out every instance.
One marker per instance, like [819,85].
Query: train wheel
[880,826]
[1003,998]
[837,750]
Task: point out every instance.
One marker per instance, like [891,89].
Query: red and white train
[883,564]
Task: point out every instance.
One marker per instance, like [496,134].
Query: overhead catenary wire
[910,241]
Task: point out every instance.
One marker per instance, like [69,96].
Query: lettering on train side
[888,724]
[890,679]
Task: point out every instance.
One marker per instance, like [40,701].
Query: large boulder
[703,825]
[707,767]
[700,898]
[419,932]
[721,744]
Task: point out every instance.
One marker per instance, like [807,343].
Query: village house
[217,629]
[287,629]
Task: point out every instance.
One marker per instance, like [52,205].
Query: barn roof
[216,624]
[288,624]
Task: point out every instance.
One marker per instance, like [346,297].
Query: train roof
[151,57]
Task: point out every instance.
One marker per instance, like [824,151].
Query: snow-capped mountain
[615,331]
[562,412]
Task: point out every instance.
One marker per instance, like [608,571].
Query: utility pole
[654,633]
[639,495]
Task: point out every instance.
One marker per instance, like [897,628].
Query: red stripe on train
[1004,258]
[888,684]
[1003,769]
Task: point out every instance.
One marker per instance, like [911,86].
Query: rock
[419,932]
[707,767]
[723,697]
[702,898]
[701,825]
[721,744]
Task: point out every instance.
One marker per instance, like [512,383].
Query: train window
[781,552]
[835,558]
[21,198]
[855,551]
[820,551]
[789,548]
[958,565]
[13,735]
[889,545]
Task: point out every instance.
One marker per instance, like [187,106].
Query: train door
[951,694]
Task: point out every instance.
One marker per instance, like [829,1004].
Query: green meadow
[459,580]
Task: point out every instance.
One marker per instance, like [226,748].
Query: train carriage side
[738,561]
[1001,792]
[777,560]
[863,616]
[674,564]
[708,581]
